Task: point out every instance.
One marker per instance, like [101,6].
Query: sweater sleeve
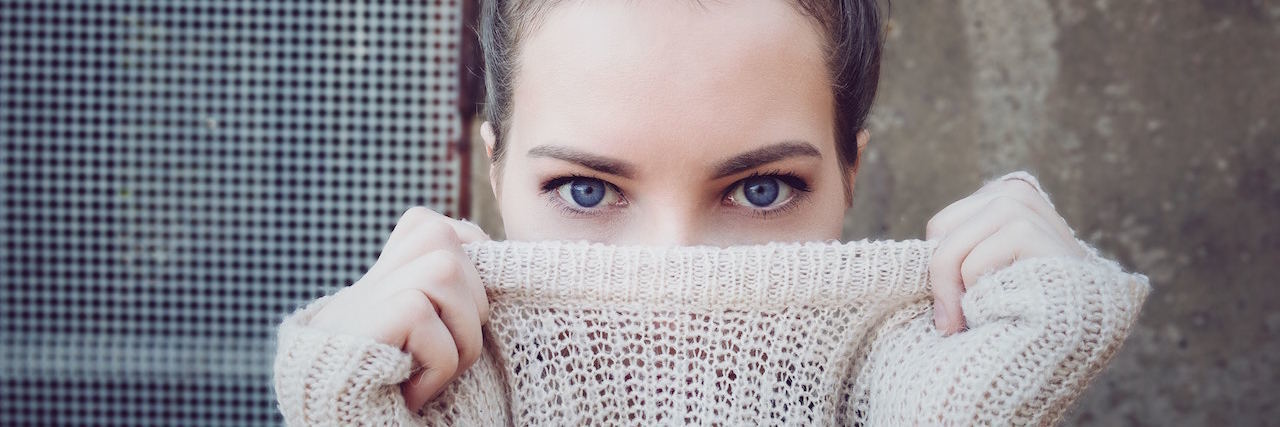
[323,378]
[331,379]
[1039,331]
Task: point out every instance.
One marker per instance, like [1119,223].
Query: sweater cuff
[322,378]
[1072,315]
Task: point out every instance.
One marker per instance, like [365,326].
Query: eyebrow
[591,161]
[765,155]
[731,166]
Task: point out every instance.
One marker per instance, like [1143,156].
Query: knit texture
[784,333]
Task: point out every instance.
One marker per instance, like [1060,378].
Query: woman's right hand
[424,296]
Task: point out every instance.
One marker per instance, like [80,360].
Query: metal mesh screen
[178,175]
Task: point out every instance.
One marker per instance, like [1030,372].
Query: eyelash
[795,181]
[549,191]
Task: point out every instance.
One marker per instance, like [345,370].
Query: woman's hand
[1006,220]
[424,296]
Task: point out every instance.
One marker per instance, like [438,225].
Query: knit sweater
[783,333]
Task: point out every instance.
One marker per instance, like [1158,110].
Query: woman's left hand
[1006,220]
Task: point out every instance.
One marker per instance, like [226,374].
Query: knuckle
[942,265]
[414,214]
[1023,227]
[1006,203]
[934,226]
[950,251]
[418,308]
[439,231]
[441,266]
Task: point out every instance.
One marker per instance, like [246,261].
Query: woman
[671,122]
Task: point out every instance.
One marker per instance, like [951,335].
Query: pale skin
[679,125]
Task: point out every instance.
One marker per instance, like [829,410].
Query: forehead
[661,72]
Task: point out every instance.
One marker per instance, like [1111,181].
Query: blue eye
[761,192]
[586,193]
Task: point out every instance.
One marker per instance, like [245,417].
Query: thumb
[469,232]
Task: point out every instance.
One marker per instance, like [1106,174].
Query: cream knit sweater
[794,333]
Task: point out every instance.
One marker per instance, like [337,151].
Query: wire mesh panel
[178,175]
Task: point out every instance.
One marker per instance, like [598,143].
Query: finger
[471,281]
[1027,190]
[1027,178]
[409,220]
[957,212]
[441,276]
[960,211]
[437,232]
[428,236]
[951,216]
[945,265]
[1014,241]
[469,232]
[421,230]
[466,231]
[429,342]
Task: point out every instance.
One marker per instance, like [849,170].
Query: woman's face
[672,123]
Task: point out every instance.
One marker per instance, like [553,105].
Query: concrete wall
[1155,126]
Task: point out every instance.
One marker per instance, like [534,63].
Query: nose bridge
[675,233]
[670,225]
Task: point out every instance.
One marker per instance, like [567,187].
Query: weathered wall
[1155,126]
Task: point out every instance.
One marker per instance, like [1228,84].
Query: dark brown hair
[854,39]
